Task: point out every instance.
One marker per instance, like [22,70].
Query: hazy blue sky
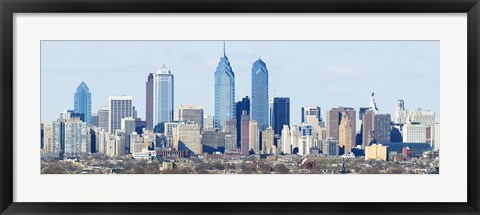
[323,73]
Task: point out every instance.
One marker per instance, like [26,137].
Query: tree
[281,168]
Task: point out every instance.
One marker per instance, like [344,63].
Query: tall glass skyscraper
[224,92]
[279,113]
[259,111]
[162,98]
[83,102]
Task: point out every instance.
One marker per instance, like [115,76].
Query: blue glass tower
[162,98]
[224,92]
[259,110]
[83,102]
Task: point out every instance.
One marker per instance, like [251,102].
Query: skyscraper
[149,101]
[259,110]
[376,127]
[254,136]
[191,113]
[187,137]
[245,121]
[76,136]
[103,115]
[240,106]
[311,115]
[83,102]
[224,92]
[163,95]
[400,113]
[334,117]
[279,113]
[119,107]
[345,134]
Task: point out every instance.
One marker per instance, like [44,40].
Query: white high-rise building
[414,133]
[163,95]
[424,117]
[436,140]
[119,108]
[286,140]
[294,136]
[401,113]
[76,137]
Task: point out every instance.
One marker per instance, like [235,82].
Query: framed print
[200,107]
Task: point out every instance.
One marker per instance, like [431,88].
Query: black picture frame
[9,7]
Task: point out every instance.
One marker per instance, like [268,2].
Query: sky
[321,73]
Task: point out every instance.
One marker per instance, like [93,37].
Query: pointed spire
[224,54]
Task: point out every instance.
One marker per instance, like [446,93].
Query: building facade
[259,109]
[345,134]
[163,94]
[191,113]
[334,118]
[187,137]
[224,104]
[253,137]
[149,101]
[119,107]
[279,113]
[244,137]
[83,102]
[376,152]
[240,106]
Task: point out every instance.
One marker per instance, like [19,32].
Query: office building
[294,137]
[187,137]
[214,141]
[345,134]
[259,105]
[253,137]
[163,94]
[377,152]
[329,147]
[286,140]
[224,82]
[414,133]
[208,122]
[149,101]
[119,107]
[401,113]
[244,137]
[103,115]
[128,125]
[424,117]
[240,106]
[94,119]
[191,113]
[268,146]
[334,118]
[279,113]
[76,137]
[83,102]
[382,126]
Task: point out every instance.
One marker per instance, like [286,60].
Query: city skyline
[412,52]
